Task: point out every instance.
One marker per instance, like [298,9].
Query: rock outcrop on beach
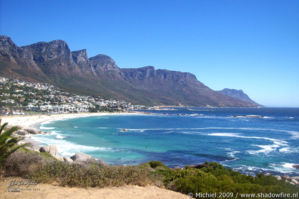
[52,149]
[81,157]
[54,63]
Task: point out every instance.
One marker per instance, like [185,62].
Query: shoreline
[32,121]
[31,125]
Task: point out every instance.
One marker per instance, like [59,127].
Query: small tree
[8,143]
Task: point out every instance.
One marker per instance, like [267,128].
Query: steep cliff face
[54,58]
[17,62]
[237,94]
[80,57]
[177,87]
[105,67]
[55,63]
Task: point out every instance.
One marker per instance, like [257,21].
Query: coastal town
[19,97]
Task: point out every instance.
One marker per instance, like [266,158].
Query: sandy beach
[32,121]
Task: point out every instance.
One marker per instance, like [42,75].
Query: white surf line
[264,148]
[295,134]
[67,148]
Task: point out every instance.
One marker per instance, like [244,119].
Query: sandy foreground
[30,121]
[49,191]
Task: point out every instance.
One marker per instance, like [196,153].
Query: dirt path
[47,191]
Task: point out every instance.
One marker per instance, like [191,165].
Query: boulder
[52,149]
[32,131]
[294,181]
[278,177]
[101,162]
[82,157]
[296,166]
[67,160]
[44,149]
[21,132]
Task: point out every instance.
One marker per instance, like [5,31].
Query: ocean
[250,140]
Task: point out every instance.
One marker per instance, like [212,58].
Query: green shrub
[154,165]
[213,177]
[92,175]
[8,143]
[22,163]
[210,178]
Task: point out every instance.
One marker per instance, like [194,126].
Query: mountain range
[53,62]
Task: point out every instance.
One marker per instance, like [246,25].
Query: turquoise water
[186,136]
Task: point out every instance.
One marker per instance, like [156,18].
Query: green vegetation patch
[207,178]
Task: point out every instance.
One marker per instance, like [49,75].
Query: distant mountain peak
[4,38]
[147,68]
[237,94]
[6,43]
[103,62]
[80,56]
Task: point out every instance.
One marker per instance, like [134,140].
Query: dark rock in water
[296,166]
[123,130]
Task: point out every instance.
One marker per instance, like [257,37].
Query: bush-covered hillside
[210,177]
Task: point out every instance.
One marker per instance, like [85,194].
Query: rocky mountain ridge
[237,94]
[53,62]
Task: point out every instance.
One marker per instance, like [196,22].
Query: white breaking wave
[267,117]
[66,148]
[59,137]
[131,130]
[226,135]
[232,154]
[294,134]
[289,150]
[264,148]
[46,128]
[284,167]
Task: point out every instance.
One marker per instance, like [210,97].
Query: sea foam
[66,148]
[264,148]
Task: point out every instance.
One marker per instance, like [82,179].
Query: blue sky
[244,44]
